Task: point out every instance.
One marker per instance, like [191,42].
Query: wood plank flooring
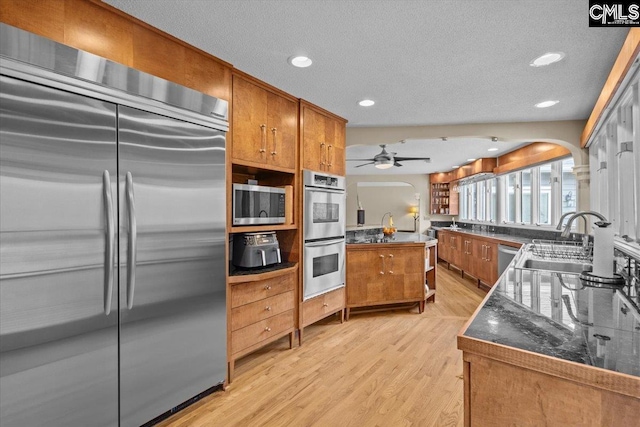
[394,368]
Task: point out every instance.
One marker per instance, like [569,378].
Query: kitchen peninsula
[550,349]
[386,271]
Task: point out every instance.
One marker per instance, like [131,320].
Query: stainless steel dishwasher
[505,255]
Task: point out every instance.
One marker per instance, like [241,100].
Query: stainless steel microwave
[257,204]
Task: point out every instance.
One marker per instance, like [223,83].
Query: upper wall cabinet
[323,140]
[264,126]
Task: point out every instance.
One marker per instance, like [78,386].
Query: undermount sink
[556,266]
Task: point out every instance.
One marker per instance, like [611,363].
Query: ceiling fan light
[384,163]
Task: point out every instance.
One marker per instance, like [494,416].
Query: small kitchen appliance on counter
[255,250]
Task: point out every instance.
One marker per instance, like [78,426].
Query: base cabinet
[385,274]
[262,311]
[501,394]
[322,306]
[475,256]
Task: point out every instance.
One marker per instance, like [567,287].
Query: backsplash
[526,233]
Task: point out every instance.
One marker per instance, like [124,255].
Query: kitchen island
[546,348]
[383,273]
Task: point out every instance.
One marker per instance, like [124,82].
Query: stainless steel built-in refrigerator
[112,249]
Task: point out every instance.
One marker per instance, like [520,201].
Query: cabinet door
[405,274]
[336,163]
[249,121]
[491,263]
[282,131]
[313,140]
[467,254]
[455,249]
[443,245]
[365,277]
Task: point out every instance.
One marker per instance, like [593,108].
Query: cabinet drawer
[323,305]
[260,331]
[248,292]
[263,309]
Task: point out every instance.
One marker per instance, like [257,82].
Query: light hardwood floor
[393,368]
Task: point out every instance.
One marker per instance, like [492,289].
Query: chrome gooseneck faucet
[382,220]
[567,228]
[566,214]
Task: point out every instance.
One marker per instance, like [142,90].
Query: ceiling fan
[385,160]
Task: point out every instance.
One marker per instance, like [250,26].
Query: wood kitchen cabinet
[323,140]
[452,245]
[264,127]
[474,255]
[262,310]
[322,306]
[379,274]
[486,266]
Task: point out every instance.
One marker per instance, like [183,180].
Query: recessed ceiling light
[300,61]
[471,160]
[493,149]
[366,103]
[454,166]
[547,59]
[546,104]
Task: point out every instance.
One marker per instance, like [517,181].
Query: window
[537,195]
[511,197]
[525,179]
[569,187]
[544,189]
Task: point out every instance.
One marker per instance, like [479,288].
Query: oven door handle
[324,190]
[324,243]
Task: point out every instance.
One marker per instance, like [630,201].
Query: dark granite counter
[374,235]
[558,315]
[490,234]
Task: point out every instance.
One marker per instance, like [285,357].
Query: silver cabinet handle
[382,259]
[487,252]
[322,152]
[391,268]
[133,241]
[274,132]
[329,157]
[263,143]
[109,253]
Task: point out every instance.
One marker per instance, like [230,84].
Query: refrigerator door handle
[109,254]
[132,245]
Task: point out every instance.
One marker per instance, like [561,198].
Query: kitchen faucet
[567,228]
[586,232]
[382,220]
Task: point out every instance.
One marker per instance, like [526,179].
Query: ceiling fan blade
[359,160]
[365,164]
[404,159]
[396,164]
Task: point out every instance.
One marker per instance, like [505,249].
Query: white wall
[378,200]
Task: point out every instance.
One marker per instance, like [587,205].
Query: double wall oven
[324,233]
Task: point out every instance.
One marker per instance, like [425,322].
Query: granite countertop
[398,238]
[558,315]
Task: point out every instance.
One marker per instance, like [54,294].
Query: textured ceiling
[424,62]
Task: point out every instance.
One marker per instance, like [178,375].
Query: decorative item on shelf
[413,210]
